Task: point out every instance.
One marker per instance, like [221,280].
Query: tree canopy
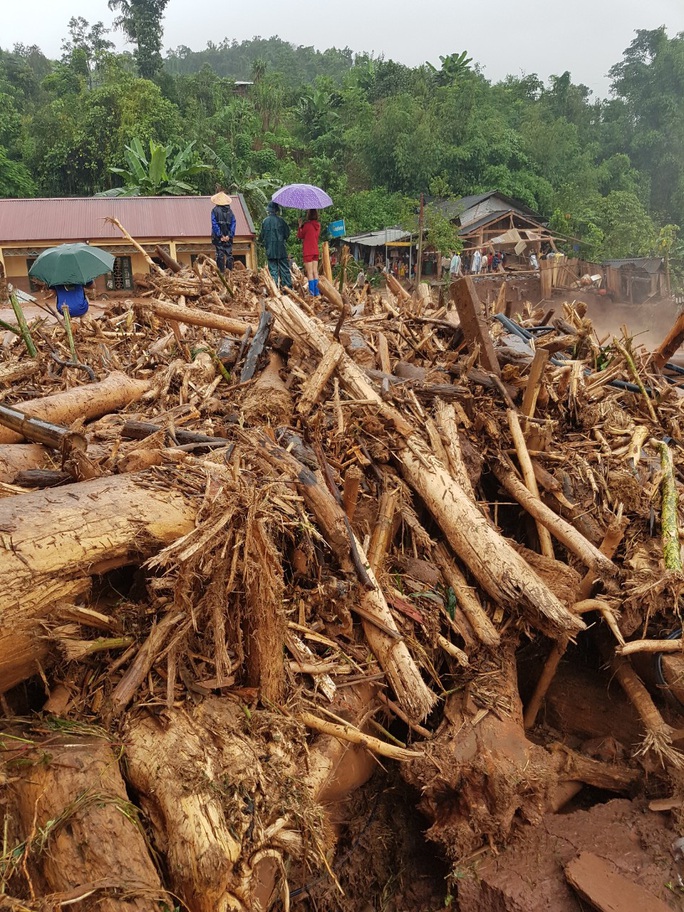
[250,116]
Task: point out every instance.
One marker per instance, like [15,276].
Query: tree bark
[73,792]
[81,403]
[94,526]
[192,317]
[20,457]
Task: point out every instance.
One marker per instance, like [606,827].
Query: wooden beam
[473,323]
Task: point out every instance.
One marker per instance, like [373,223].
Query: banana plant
[164,172]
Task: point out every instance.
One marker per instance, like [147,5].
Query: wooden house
[179,225]
[636,279]
[494,220]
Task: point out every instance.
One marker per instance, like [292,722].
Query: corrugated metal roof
[379,238]
[459,208]
[83,218]
[493,217]
[648,264]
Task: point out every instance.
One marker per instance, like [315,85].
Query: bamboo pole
[545,543]
[66,316]
[382,532]
[155,267]
[445,418]
[23,326]
[637,379]
[669,515]
[562,530]
[326,268]
[51,435]
[467,598]
[534,381]
[346,732]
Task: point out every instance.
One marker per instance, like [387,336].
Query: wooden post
[421,220]
[529,403]
[326,268]
[670,343]
[473,323]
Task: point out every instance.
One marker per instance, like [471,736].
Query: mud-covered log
[94,526]
[81,403]
[85,848]
[215,808]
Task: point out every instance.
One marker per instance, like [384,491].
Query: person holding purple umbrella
[309,232]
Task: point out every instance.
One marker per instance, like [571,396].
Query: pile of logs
[280,543]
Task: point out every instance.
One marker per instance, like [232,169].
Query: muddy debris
[366,601]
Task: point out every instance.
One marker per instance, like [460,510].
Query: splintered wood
[280,540]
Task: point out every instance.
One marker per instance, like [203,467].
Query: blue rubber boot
[311,287]
[317,293]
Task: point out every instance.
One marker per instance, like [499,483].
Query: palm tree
[164,173]
[237,178]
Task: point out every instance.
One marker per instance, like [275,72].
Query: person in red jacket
[309,233]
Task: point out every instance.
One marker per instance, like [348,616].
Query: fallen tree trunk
[94,526]
[82,840]
[196,317]
[499,569]
[81,403]
[222,852]
[20,457]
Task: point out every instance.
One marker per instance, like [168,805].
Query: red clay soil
[528,876]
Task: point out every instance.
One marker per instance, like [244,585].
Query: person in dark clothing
[274,233]
[222,230]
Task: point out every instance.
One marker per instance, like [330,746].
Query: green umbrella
[71,264]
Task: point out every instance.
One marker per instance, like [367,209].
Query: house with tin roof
[495,220]
[178,225]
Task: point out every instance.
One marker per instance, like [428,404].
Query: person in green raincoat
[274,234]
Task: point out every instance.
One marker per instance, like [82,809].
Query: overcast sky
[585,37]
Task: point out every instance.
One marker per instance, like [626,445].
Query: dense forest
[374,133]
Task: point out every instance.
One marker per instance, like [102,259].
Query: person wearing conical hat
[222,230]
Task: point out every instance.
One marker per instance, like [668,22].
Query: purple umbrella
[302,196]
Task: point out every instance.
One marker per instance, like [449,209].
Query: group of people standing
[274,235]
[476,263]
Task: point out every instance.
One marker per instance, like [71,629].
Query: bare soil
[528,875]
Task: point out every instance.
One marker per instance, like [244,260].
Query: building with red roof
[179,225]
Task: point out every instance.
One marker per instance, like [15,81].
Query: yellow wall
[16,269]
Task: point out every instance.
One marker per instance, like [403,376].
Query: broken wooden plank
[473,323]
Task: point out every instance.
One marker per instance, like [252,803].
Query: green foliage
[375,133]
[237,177]
[141,22]
[15,179]
[454,68]
[165,172]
